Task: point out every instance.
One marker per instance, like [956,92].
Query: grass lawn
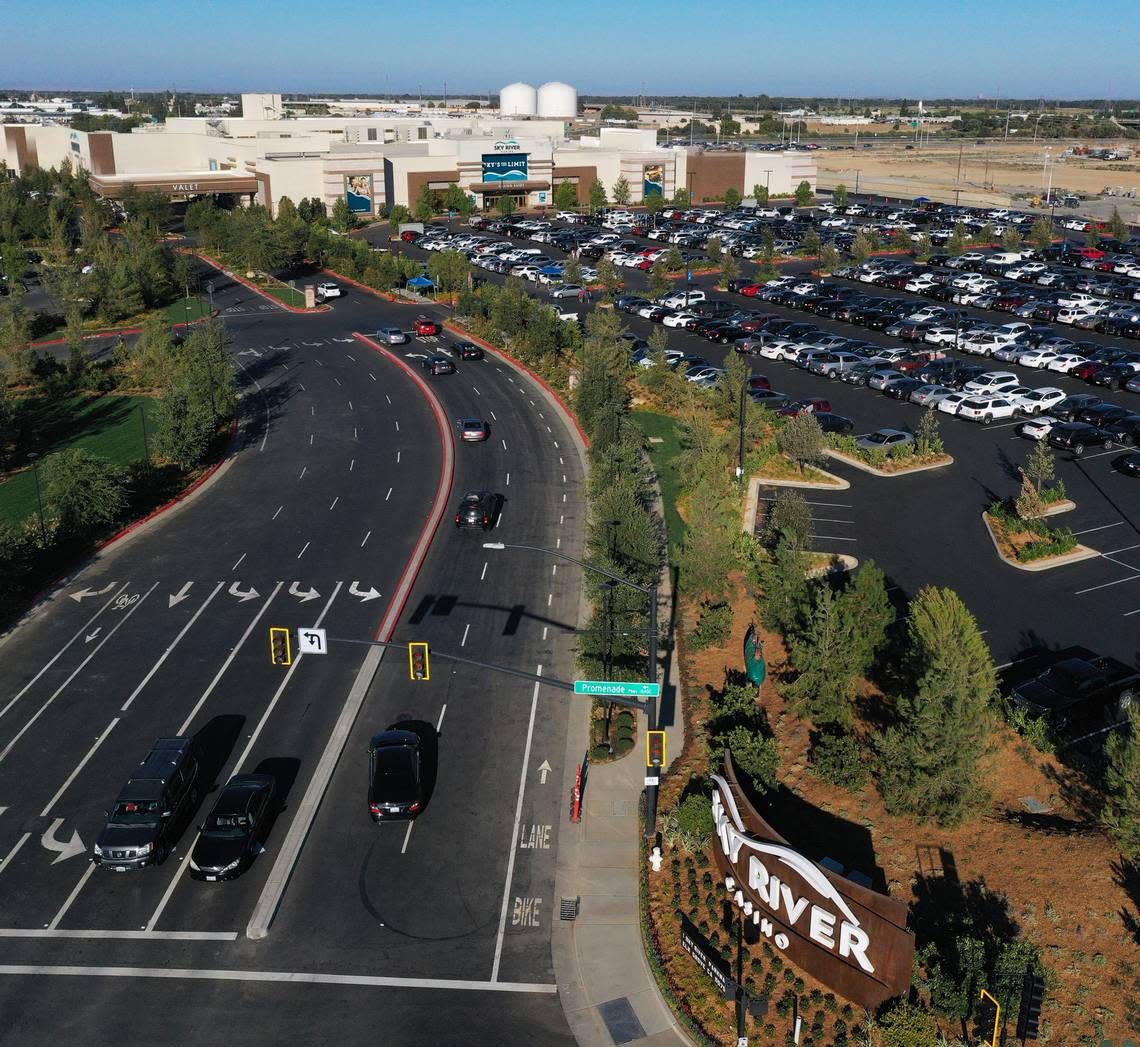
[664,458]
[284,293]
[187,309]
[109,426]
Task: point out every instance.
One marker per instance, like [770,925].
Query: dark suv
[152,808]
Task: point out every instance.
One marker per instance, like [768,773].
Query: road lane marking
[174,643]
[304,469]
[71,898]
[1108,585]
[1122,549]
[237,764]
[226,664]
[78,767]
[278,513]
[439,723]
[334,501]
[14,851]
[350,407]
[83,629]
[484,574]
[170,936]
[1129,614]
[365,539]
[407,837]
[238,564]
[75,672]
[494,416]
[302,552]
[477,393]
[352,465]
[466,629]
[397,457]
[310,439]
[389,494]
[508,479]
[515,832]
[287,977]
[504,445]
[1105,527]
[833,538]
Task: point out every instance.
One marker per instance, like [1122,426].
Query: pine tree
[184,427]
[866,602]
[1041,233]
[1117,225]
[931,758]
[621,191]
[801,439]
[840,195]
[729,269]
[1040,466]
[566,196]
[1121,815]
[826,654]
[597,196]
[785,588]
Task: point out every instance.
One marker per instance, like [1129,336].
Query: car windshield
[879,438]
[227,825]
[135,812]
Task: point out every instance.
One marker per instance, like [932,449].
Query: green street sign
[617,689]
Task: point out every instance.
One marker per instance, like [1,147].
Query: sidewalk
[607,990]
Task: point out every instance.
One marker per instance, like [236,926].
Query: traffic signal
[1032,997]
[280,647]
[419,667]
[654,748]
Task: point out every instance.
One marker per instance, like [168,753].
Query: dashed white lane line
[351,357]
[1129,614]
[557,543]
[337,380]
[508,479]
[560,519]
[365,538]
[312,411]
[554,569]
[484,574]
[439,722]
[1108,585]
[504,445]
[318,363]
[397,425]
[352,465]
[560,462]
[278,513]
[373,377]
[303,389]
[407,837]
[549,599]
[477,393]
[14,851]
[304,469]
[303,548]
[238,564]
[466,630]
[78,767]
[1122,549]
[334,501]
[544,628]
[397,457]
[555,443]
[350,407]
[388,495]
[70,898]
[494,416]
[310,439]
[355,433]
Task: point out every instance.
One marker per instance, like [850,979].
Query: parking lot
[926,528]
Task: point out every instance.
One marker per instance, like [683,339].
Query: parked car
[986,409]
[1038,427]
[1038,401]
[833,423]
[1077,437]
[884,438]
[1080,687]
[328,290]
[231,836]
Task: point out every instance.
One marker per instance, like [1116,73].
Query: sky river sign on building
[853,939]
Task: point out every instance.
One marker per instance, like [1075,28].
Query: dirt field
[989,173]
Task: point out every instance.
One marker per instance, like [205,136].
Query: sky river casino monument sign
[853,939]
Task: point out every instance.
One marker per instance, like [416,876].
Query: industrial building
[378,159]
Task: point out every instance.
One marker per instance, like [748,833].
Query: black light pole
[650,591]
[33,456]
[146,439]
[743,391]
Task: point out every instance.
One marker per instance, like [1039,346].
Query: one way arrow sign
[66,850]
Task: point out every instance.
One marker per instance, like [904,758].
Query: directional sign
[617,689]
[312,641]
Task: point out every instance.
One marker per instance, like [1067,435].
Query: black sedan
[395,775]
[1103,415]
[469,351]
[1070,408]
[834,423]
[1126,430]
[437,363]
[479,509]
[232,834]
[1113,376]
[901,388]
[1077,437]
[1130,464]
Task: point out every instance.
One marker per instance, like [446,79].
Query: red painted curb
[257,290]
[442,493]
[178,498]
[523,367]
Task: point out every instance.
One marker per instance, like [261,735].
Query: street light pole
[33,457]
[651,773]
[740,465]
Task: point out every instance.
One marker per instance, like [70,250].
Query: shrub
[838,759]
[689,824]
[908,1025]
[1059,542]
[713,627]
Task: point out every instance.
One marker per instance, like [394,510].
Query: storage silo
[558,101]
[518,100]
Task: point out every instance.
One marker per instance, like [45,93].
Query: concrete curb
[839,456]
[255,289]
[1064,506]
[845,565]
[756,480]
[1082,552]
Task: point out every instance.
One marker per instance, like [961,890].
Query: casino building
[380,159]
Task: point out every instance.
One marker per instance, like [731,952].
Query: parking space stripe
[1107,585]
[1103,527]
[142,936]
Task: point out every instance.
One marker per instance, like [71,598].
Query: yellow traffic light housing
[280,646]
[419,664]
[654,748]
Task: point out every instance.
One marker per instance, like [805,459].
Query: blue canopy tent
[420,281]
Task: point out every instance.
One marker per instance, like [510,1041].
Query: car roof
[394,738]
[471,421]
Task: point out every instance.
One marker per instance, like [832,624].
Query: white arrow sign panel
[68,849]
[312,641]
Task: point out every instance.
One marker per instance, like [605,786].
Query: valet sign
[851,938]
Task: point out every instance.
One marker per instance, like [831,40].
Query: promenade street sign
[617,689]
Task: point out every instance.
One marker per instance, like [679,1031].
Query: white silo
[518,100]
[558,101]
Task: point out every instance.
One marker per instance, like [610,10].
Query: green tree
[839,196]
[729,269]
[608,277]
[566,196]
[1117,225]
[1040,466]
[760,194]
[505,205]
[861,247]
[829,259]
[812,245]
[1011,238]
[7,422]
[931,758]
[826,655]
[601,380]
[674,261]
[659,282]
[732,197]
[185,427]
[959,238]
[572,270]
[689,824]
[83,491]
[707,554]
[621,191]
[789,517]
[1092,236]
[1121,812]
[785,587]
[867,603]
[122,297]
[397,216]
[729,127]
[597,195]
[924,248]
[450,270]
[804,194]
[714,250]
[801,439]
[928,435]
[1041,233]
[455,199]
[681,197]
[342,219]
[425,205]
[909,1025]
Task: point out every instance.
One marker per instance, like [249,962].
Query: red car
[810,405]
[1089,252]
[752,290]
[424,325]
[409,236]
[759,381]
[1086,370]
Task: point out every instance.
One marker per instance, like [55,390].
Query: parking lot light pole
[650,591]
[33,457]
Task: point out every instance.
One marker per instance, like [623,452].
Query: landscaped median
[898,461]
[265,285]
[1028,542]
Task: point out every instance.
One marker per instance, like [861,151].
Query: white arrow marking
[349,340]
[295,590]
[364,594]
[65,850]
[250,352]
[543,770]
[312,345]
[236,590]
[179,596]
[91,636]
[82,594]
[416,356]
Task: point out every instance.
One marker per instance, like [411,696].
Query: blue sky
[968,48]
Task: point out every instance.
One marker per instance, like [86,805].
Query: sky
[911,48]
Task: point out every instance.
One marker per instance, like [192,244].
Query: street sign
[312,641]
[689,276]
[209,287]
[617,689]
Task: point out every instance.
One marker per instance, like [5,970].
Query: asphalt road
[165,633]
[926,529]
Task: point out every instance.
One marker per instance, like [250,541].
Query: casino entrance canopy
[181,183]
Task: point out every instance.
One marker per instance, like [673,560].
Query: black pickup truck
[1074,689]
